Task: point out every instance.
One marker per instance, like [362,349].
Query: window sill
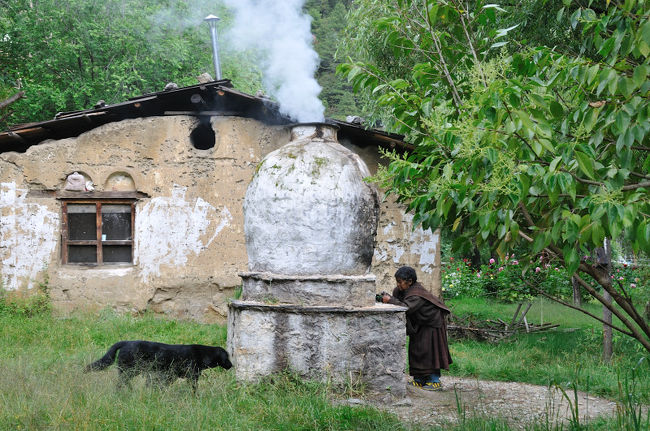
[90,271]
[94,265]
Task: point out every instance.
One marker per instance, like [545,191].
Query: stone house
[138,205]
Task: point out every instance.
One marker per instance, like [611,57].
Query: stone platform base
[351,290]
[342,345]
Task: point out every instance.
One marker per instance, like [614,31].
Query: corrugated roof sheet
[216,98]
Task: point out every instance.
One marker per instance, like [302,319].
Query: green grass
[570,353]
[42,386]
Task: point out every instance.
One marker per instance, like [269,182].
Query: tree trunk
[607,330]
[577,298]
[607,313]
[476,257]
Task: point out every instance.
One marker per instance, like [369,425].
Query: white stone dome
[308,209]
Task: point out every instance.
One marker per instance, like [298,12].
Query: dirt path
[518,403]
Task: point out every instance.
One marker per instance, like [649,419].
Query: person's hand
[385,298]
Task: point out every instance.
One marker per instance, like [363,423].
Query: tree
[68,54]
[543,149]
[327,25]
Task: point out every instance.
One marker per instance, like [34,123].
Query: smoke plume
[280,33]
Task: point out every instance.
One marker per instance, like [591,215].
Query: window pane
[81,208]
[82,254]
[81,222]
[116,222]
[116,253]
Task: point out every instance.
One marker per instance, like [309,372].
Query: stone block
[351,290]
[338,344]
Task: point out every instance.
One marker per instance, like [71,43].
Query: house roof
[216,98]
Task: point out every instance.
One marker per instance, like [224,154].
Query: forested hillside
[68,54]
[328,25]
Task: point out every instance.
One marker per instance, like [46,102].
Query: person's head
[405,277]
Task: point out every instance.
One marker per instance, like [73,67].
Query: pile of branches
[468,327]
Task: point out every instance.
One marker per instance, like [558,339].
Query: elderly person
[425,325]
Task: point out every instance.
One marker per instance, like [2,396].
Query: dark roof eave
[214,97]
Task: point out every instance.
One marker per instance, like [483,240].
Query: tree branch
[636,174]
[582,310]
[436,41]
[582,180]
[12,99]
[524,236]
[622,302]
[636,186]
[473,51]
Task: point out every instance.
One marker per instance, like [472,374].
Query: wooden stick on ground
[514,318]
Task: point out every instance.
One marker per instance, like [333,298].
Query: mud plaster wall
[189,240]
[397,243]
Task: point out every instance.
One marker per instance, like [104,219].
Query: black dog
[162,363]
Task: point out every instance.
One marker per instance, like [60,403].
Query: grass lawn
[570,353]
[42,385]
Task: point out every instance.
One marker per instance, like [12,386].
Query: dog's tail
[106,360]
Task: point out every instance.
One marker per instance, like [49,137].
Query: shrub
[28,305]
[497,279]
[503,280]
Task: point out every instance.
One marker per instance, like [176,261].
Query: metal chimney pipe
[212,22]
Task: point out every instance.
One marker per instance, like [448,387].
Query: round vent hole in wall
[202,137]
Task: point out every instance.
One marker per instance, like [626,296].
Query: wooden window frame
[97,242]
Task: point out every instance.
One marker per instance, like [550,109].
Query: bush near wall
[503,280]
[25,303]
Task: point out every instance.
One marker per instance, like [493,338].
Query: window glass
[116,253]
[90,239]
[116,222]
[82,222]
[82,254]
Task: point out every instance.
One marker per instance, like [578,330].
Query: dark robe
[426,326]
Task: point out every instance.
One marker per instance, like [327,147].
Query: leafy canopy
[541,148]
[68,54]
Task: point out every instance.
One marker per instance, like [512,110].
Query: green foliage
[541,150]
[329,18]
[26,304]
[508,281]
[542,23]
[66,55]
[459,279]
[630,414]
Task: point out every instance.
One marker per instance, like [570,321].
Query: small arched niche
[77,181]
[202,137]
[119,182]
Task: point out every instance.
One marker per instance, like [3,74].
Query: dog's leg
[158,379]
[169,378]
[151,379]
[193,378]
[124,378]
